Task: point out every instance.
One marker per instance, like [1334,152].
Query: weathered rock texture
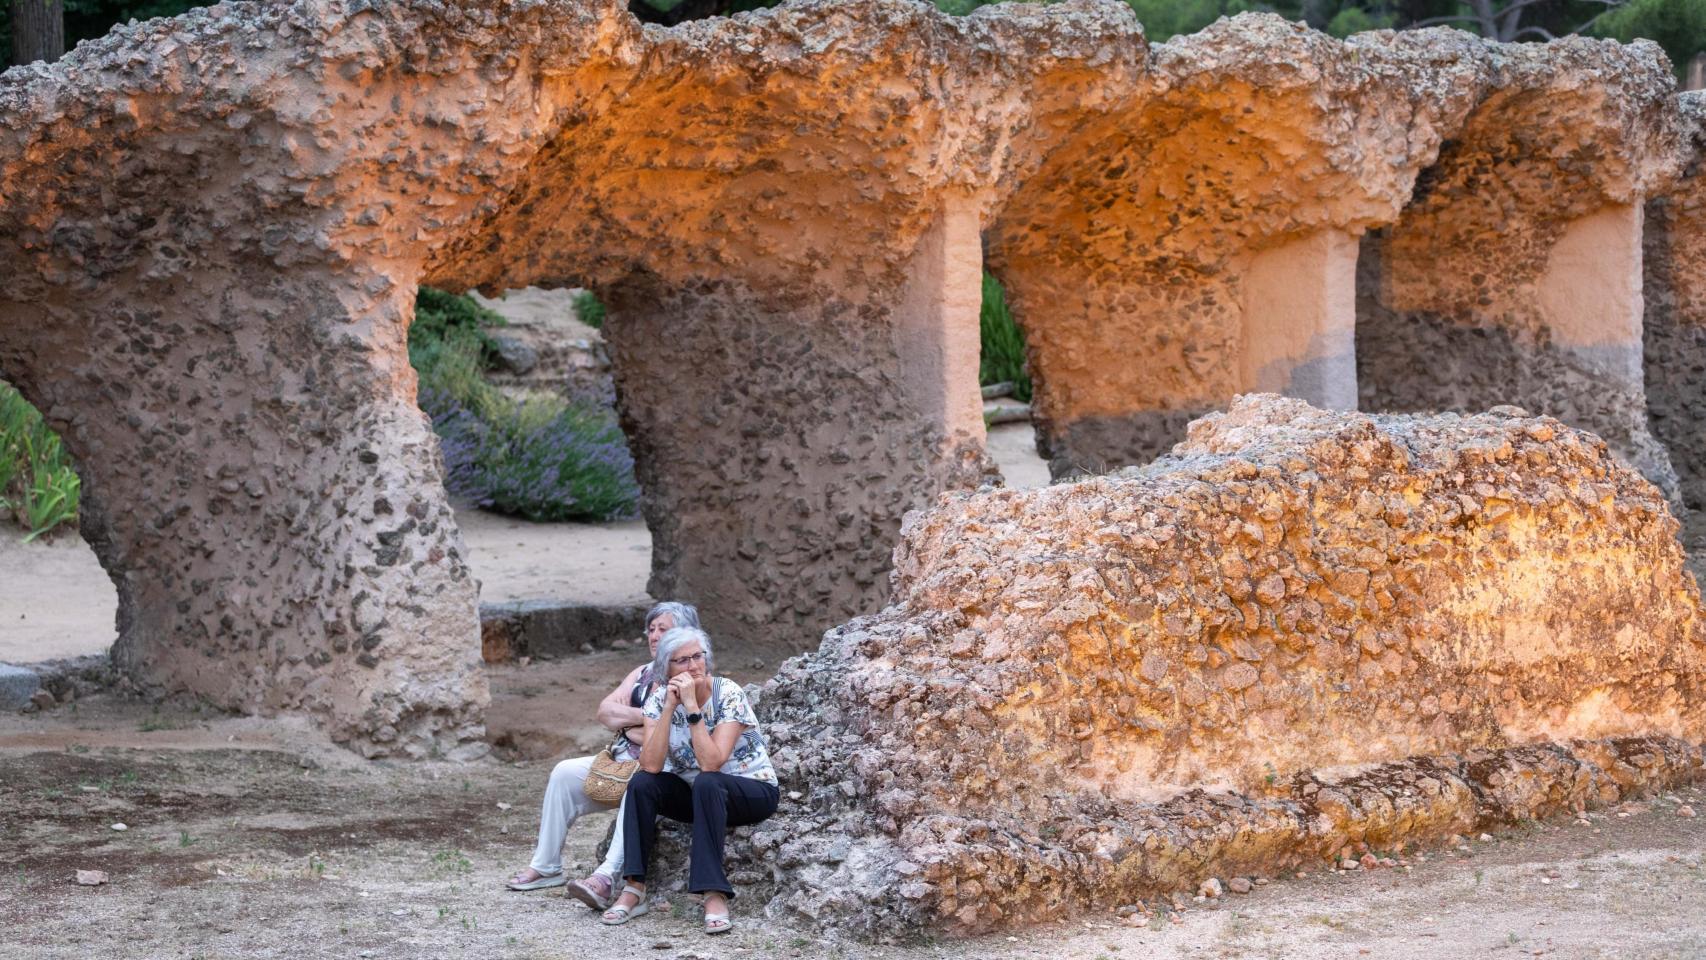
[211,229]
[1675,326]
[1196,238]
[1513,275]
[783,214]
[1301,630]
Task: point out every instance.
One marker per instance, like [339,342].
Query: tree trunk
[38,30]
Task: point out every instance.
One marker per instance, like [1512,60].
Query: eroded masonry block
[1514,274]
[1302,630]
[1675,322]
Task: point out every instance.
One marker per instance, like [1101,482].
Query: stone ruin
[212,228]
[1301,631]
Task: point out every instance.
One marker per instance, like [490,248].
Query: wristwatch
[693,718]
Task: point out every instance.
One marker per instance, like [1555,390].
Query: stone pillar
[1121,358]
[1545,316]
[266,497]
[1674,332]
[780,436]
[211,236]
[1300,320]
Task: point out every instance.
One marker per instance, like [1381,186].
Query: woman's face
[655,630]
[689,658]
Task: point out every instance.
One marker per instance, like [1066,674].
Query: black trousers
[713,803]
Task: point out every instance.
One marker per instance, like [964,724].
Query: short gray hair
[674,640]
[680,614]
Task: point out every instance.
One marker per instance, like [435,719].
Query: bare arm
[712,747]
[614,713]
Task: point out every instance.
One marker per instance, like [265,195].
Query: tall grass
[39,487]
[1003,357]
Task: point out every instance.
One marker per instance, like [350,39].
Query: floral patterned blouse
[749,758]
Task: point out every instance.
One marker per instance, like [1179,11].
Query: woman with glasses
[565,797]
[711,770]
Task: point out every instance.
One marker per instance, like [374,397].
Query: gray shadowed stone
[515,356]
[17,685]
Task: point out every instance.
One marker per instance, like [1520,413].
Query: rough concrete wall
[210,237]
[1674,251]
[1511,277]
[1134,256]
[1482,605]
[783,214]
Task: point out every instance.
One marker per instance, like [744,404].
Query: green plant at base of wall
[39,486]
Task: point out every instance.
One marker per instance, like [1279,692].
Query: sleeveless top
[636,699]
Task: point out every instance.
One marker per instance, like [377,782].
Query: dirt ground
[56,601]
[256,838]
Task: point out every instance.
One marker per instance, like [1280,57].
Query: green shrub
[441,316]
[589,309]
[1003,356]
[38,484]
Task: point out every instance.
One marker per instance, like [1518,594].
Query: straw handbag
[608,778]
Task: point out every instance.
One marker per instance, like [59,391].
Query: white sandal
[620,914]
[540,882]
[719,922]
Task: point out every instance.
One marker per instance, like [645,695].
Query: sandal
[719,922]
[596,891]
[539,882]
[620,914]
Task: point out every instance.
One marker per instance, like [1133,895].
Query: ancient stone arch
[1200,240]
[211,229]
[1513,275]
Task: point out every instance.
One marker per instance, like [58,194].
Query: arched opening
[1004,373]
[58,602]
[1513,274]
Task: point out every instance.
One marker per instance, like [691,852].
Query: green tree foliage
[90,19]
[1677,25]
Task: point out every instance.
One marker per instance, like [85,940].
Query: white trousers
[565,802]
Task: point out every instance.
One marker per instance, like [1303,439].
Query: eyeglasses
[690,658]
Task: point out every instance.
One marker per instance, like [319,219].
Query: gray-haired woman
[709,769]
[565,796]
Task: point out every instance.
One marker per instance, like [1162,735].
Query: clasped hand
[683,689]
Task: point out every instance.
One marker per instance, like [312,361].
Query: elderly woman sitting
[711,770]
[565,796]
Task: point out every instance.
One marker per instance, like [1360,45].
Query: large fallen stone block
[1301,630]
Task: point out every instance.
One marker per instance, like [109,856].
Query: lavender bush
[546,458]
